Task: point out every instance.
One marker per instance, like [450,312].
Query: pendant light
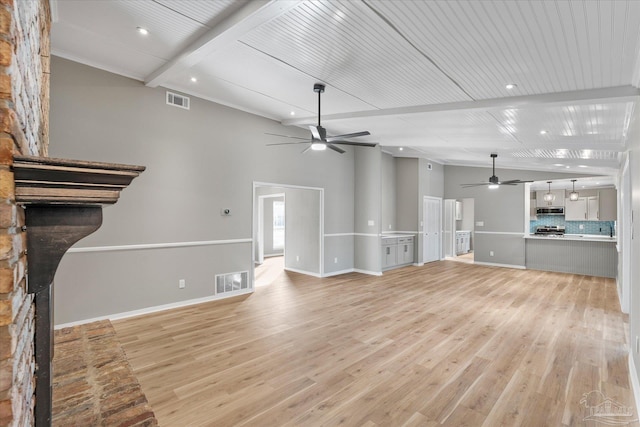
[549,197]
[573,196]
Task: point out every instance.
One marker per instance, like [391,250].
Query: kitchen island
[591,255]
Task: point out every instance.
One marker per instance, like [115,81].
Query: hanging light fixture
[549,197]
[574,195]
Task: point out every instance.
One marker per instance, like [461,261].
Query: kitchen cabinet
[608,204]
[558,201]
[463,242]
[397,251]
[458,211]
[575,210]
[583,209]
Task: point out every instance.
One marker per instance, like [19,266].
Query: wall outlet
[182,283]
[490,253]
[371,223]
[581,227]
[335,260]
[389,226]
[297,258]
[479,223]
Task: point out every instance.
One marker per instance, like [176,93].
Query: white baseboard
[370,273]
[418,264]
[491,264]
[308,273]
[635,383]
[337,273]
[154,309]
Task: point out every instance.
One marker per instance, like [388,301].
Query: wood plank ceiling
[428,76]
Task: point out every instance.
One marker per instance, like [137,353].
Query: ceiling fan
[494,182]
[319,139]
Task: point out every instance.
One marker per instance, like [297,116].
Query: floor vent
[232,282]
[179,101]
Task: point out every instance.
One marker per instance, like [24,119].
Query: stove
[550,230]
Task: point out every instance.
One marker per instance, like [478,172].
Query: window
[278,225]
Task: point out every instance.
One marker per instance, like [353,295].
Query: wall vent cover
[232,282]
[179,101]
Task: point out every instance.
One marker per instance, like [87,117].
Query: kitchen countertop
[579,237]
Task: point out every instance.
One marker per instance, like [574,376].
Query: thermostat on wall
[225,212]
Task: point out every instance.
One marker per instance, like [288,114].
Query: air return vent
[176,100]
[232,282]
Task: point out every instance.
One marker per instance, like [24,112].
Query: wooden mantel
[63,201]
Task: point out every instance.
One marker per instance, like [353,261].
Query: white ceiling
[427,76]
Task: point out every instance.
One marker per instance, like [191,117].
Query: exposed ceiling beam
[250,15]
[578,97]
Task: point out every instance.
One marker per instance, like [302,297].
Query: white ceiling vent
[176,100]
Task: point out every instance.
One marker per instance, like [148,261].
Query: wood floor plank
[448,343]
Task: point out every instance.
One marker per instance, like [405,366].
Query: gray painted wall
[407,194]
[198,162]
[389,201]
[368,193]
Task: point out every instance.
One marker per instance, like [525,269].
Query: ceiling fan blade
[306,149]
[315,132]
[361,144]
[477,184]
[286,136]
[334,148]
[347,135]
[288,143]
[513,182]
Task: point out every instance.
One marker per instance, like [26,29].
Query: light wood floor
[448,343]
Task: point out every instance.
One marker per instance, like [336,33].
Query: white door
[432,213]
[449,237]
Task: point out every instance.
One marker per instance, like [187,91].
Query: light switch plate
[370,223]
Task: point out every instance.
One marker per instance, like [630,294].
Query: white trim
[508,233]
[400,232]
[492,264]
[366,234]
[82,60]
[337,273]
[338,234]
[155,309]
[158,246]
[370,273]
[418,264]
[308,273]
[635,383]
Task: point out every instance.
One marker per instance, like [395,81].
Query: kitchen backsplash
[573,227]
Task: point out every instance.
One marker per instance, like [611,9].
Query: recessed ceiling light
[558,164]
[194,79]
[400,148]
[582,166]
[510,86]
[543,132]
[293,113]
[568,167]
[143,31]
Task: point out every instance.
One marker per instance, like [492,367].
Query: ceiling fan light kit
[319,139]
[494,182]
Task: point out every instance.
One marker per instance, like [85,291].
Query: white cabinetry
[575,210]
[608,204]
[583,209]
[397,251]
[557,201]
[463,242]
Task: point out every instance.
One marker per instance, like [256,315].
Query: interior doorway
[288,227]
[458,229]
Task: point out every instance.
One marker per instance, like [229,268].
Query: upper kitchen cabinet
[608,204]
[558,198]
[599,207]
